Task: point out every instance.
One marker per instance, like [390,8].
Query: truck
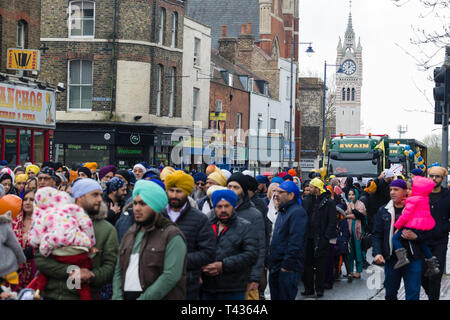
[397,148]
[358,155]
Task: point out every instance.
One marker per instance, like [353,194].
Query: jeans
[432,285]
[223,296]
[411,274]
[398,245]
[283,285]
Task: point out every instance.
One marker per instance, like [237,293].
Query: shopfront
[27,121]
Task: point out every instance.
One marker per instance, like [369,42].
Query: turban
[61,177]
[247,172]
[180,180]
[227,195]
[33,168]
[85,171]
[10,203]
[132,177]
[218,177]
[316,182]
[278,180]
[72,175]
[282,174]
[84,186]
[290,187]
[158,182]
[210,169]
[438,171]
[105,170]
[212,189]
[292,172]
[252,183]
[152,194]
[200,176]
[114,184]
[372,187]
[125,174]
[3,163]
[262,179]
[399,183]
[241,179]
[165,172]
[267,174]
[226,173]
[21,178]
[151,173]
[141,166]
[288,177]
[417,172]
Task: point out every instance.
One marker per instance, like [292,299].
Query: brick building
[121,62]
[27,107]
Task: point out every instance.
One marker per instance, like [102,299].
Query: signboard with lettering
[27,106]
[23,59]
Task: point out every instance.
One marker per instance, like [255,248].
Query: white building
[196,71]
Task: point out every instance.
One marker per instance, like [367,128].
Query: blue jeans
[223,296]
[283,285]
[411,274]
[397,244]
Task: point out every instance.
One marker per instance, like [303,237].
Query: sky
[395,90]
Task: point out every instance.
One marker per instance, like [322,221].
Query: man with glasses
[46,178]
[437,242]
[200,186]
[287,249]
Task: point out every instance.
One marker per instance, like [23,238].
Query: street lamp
[309,52]
[324,99]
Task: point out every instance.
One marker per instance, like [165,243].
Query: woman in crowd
[7,181]
[32,184]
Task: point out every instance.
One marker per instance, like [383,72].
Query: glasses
[434,176]
[44,178]
[200,184]
[280,192]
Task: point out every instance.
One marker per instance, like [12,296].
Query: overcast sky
[391,77]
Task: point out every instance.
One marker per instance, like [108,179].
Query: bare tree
[434,145]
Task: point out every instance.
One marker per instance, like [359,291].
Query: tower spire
[349,33]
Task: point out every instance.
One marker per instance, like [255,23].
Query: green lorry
[397,148]
[359,156]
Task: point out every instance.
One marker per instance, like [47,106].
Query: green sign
[93,147]
[74,146]
[89,147]
[128,151]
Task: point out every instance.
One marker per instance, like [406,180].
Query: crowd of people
[164,233]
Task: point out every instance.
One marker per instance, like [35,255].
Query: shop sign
[86,147]
[27,106]
[161,156]
[23,59]
[135,138]
[129,151]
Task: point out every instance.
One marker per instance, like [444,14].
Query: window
[288,85]
[353,94]
[273,124]
[173,39]
[266,89]
[172,78]
[195,103]
[250,84]
[159,73]
[218,105]
[348,94]
[343,94]
[162,22]
[196,52]
[21,31]
[230,79]
[286,129]
[80,84]
[239,125]
[82,19]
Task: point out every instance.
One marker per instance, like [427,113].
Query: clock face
[349,67]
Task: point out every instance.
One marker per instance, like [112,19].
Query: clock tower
[348,83]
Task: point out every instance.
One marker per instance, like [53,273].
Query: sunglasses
[200,184]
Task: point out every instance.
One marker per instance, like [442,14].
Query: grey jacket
[248,211]
[11,254]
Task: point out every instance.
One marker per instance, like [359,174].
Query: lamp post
[309,51]
[325,99]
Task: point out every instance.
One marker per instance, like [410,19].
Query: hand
[382,175]
[378,259]
[252,286]
[396,231]
[213,269]
[350,216]
[115,208]
[284,270]
[86,275]
[352,206]
[409,235]
[5,295]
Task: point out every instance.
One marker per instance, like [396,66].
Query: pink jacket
[416,214]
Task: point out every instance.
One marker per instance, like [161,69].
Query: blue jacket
[287,249]
[383,230]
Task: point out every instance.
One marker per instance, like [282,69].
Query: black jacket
[237,248]
[383,229]
[261,205]
[322,221]
[112,216]
[287,249]
[200,241]
[440,210]
[248,211]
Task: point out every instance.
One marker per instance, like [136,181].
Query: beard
[177,203]
[198,194]
[224,218]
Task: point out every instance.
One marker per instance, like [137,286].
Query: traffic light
[441,92]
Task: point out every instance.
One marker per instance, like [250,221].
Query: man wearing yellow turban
[20,182]
[199,235]
[91,166]
[316,182]
[216,178]
[165,172]
[32,170]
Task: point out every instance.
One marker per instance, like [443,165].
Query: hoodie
[10,251]
[416,214]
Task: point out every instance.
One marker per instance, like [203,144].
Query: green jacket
[104,263]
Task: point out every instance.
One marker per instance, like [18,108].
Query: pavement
[370,286]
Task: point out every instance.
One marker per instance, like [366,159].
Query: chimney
[243,27]
[249,28]
[227,46]
[246,39]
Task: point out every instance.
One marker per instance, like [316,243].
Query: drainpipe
[113,63]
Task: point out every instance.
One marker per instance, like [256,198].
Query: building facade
[121,62]
[27,105]
[349,83]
